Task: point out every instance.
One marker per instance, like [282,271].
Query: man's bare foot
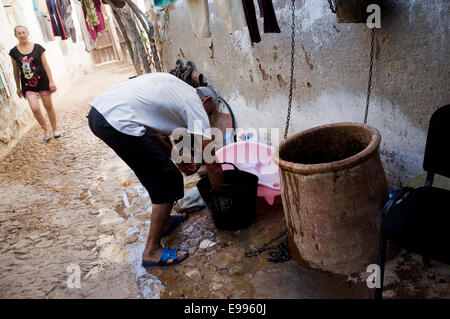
[155,255]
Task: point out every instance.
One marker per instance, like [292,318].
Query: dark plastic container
[232,205]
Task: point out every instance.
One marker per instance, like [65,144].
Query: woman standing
[31,67]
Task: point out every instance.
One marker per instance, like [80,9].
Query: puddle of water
[125,199]
[132,230]
[149,287]
[219,250]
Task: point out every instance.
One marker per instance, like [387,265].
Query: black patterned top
[32,73]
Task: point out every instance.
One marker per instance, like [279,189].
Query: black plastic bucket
[232,205]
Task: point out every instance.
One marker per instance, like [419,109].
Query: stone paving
[73,203]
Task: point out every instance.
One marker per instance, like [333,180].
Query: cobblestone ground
[73,203]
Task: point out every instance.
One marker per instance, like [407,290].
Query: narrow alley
[74,203]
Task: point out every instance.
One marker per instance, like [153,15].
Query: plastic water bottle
[228,137]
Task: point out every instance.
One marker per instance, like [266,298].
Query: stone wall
[411,71]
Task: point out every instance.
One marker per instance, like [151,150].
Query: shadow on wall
[355,11]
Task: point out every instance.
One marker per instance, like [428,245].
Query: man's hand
[188,168]
[215,174]
[213,168]
[19,93]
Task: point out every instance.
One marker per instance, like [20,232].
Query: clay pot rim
[352,161]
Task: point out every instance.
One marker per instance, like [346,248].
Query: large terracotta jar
[333,192]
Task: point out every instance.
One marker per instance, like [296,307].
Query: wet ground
[73,203]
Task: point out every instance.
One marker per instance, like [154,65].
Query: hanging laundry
[162,3]
[232,14]
[88,42]
[42,5]
[270,19]
[91,14]
[44,21]
[55,18]
[65,8]
[95,22]
[47,26]
[198,11]
[252,22]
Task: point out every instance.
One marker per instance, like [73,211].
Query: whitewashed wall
[411,71]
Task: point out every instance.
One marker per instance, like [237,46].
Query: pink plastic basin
[254,158]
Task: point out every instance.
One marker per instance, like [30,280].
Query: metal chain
[292,69]
[282,253]
[256,252]
[369,84]
[331,6]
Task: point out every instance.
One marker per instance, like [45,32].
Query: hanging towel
[91,14]
[162,3]
[270,19]
[198,11]
[93,31]
[232,14]
[47,27]
[42,5]
[88,42]
[44,21]
[39,16]
[55,18]
[252,22]
[65,8]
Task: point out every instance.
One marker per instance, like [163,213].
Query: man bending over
[130,118]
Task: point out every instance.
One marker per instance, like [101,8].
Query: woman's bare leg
[48,105]
[33,101]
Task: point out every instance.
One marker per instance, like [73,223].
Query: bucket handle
[228,163]
[224,186]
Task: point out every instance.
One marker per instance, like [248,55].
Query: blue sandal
[176,220]
[46,139]
[168,253]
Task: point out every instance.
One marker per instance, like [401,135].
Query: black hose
[233,120]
